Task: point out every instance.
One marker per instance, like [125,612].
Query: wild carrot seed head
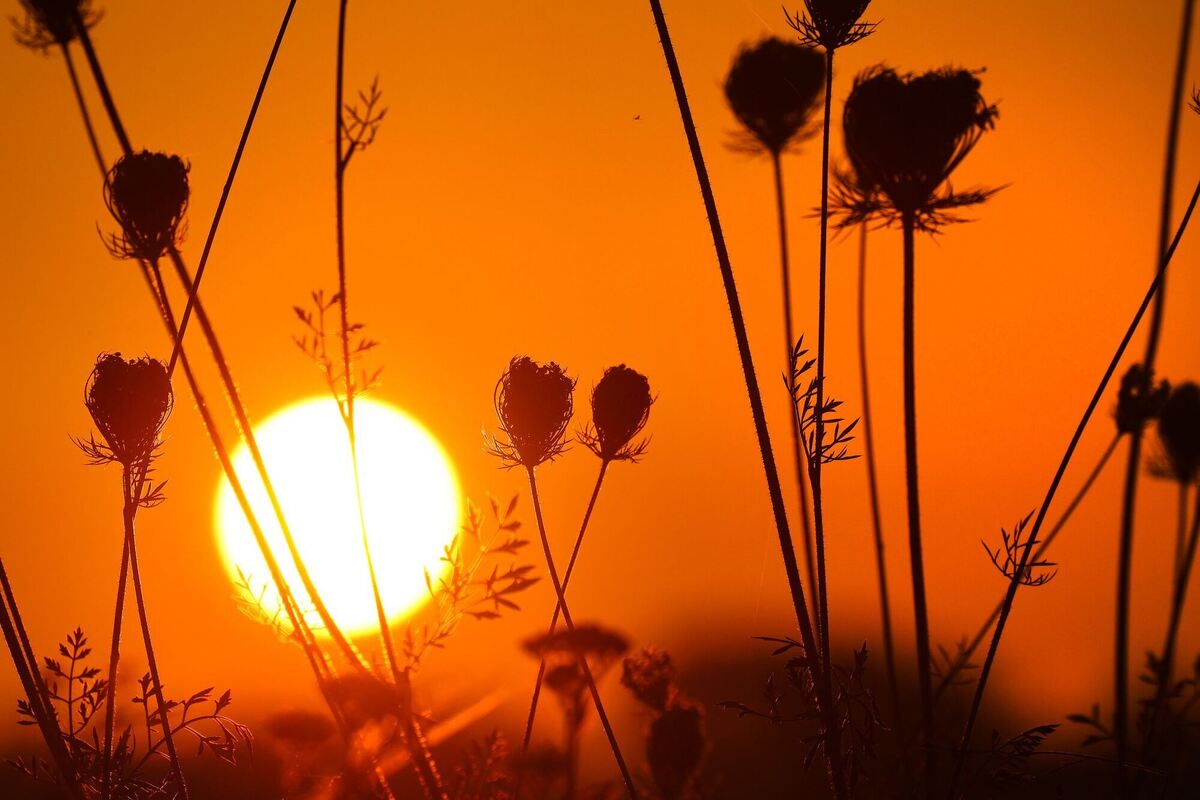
[534,403]
[773,88]
[906,134]
[650,676]
[130,402]
[831,23]
[147,194]
[1139,400]
[674,748]
[620,409]
[1179,430]
[49,23]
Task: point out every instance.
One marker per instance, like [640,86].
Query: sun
[411,501]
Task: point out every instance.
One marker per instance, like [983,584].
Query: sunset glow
[410,495]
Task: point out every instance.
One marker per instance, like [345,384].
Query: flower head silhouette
[130,401]
[147,194]
[1179,430]
[773,88]
[831,23]
[48,23]
[1139,400]
[534,404]
[905,135]
[620,409]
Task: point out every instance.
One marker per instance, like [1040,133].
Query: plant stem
[1015,582]
[114,653]
[872,480]
[194,287]
[804,621]
[810,559]
[35,688]
[968,651]
[916,556]
[85,40]
[131,504]
[537,686]
[566,614]
[83,110]
[1133,465]
[1181,528]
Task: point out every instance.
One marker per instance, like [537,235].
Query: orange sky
[513,204]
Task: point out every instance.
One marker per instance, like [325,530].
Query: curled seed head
[773,88]
[831,23]
[49,23]
[1179,430]
[650,675]
[1139,400]
[534,403]
[620,409]
[674,748]
[130,402]
[147,194]
[906,134]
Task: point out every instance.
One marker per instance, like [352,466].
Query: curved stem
[537,686]
[916,556]
[868,437]
[1133,465]
[566,614]
[770,470]
[163,713]
[967,652]
[789,334]
[1015,582]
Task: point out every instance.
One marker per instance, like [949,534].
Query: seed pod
[1139,400]
[620,409]
[1179,430]
[50,23]
[832,23]
[147,194]
[534,404]
[674,748]
[773,88]
[650,675]
[130,402]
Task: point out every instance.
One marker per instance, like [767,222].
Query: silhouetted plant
[905,135]
[1007,556]
[1139,399]
[147,194]
[675,738]
[48,23]
[534,404]
[831,24]
[620,410]
[773,89]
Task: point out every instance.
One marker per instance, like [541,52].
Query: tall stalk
[789,335]
[833,750]
[560,592]
[1015,580]
[132,486]
[537,686]
[93,143]
[1134,463]
[35,688]
[912,485]
[872,480]
[114,654]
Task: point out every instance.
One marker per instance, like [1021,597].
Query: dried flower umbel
[1139,400]
[773,88]
[50,23]
[130,401]
[620,410]
[147,194]
[534,403]
[1179,431]
[831,23]
[905,135]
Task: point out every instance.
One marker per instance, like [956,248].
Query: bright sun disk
[411,502]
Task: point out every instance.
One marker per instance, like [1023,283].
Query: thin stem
[965,655]
[131,501]
[789,334]
[1133,465]
[83,110]
[194,288]
[114,653]
[85,40]
[537,686]
[787,548]
[35,688]
[1015,582]
[916,556]
[872,480]
[418,746]
[583,665]
[1181,528]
